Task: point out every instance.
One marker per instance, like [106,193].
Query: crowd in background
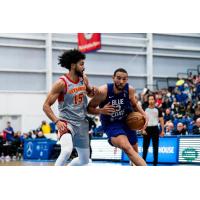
[12,142]
[180,106]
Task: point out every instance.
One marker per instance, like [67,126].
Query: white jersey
[73,101]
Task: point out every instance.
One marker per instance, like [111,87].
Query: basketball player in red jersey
[70,90]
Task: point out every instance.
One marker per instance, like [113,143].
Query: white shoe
[14,158]
[7,158]
[2,158]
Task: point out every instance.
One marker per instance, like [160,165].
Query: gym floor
[51,163]
[93,163]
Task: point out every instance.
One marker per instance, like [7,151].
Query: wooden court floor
[52,162]
[26,163]
[94,163]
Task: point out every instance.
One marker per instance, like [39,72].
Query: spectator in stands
[20,149]
[181,97]
[189,109]
[175,106]
[180,84]
[166,104]
[197,111]
[181,109]
[180,129]
[40,135]
[9,132]
[168,116]
[16,144]
[144,98]
[1,145]
[30,133]
[196,128]
[195,80]
[25,136]
[53,127]
[187,120]
[45,127]
[177,119]
[169,128]
[187,90]
[159,100]
[34,134]
[189,79]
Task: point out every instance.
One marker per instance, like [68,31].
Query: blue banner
[168,150]
[38,148]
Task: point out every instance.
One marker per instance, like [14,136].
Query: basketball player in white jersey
[70,90]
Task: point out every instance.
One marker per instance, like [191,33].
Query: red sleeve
[64,82]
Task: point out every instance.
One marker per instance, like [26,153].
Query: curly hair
[70,57]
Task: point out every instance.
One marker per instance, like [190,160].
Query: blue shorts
[114,129]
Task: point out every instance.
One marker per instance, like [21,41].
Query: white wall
[29,106]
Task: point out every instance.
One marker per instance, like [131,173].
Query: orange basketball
[135,121]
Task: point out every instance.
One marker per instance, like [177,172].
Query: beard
[119,87]
[79,73]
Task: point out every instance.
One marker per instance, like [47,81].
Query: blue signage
[38,149]
[168,150]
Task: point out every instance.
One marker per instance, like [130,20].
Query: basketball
[135,121]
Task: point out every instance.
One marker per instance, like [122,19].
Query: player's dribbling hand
[62,127]
[143,132]
[108,109]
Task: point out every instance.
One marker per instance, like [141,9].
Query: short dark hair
[70,57]
[120,70]
[151,95]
